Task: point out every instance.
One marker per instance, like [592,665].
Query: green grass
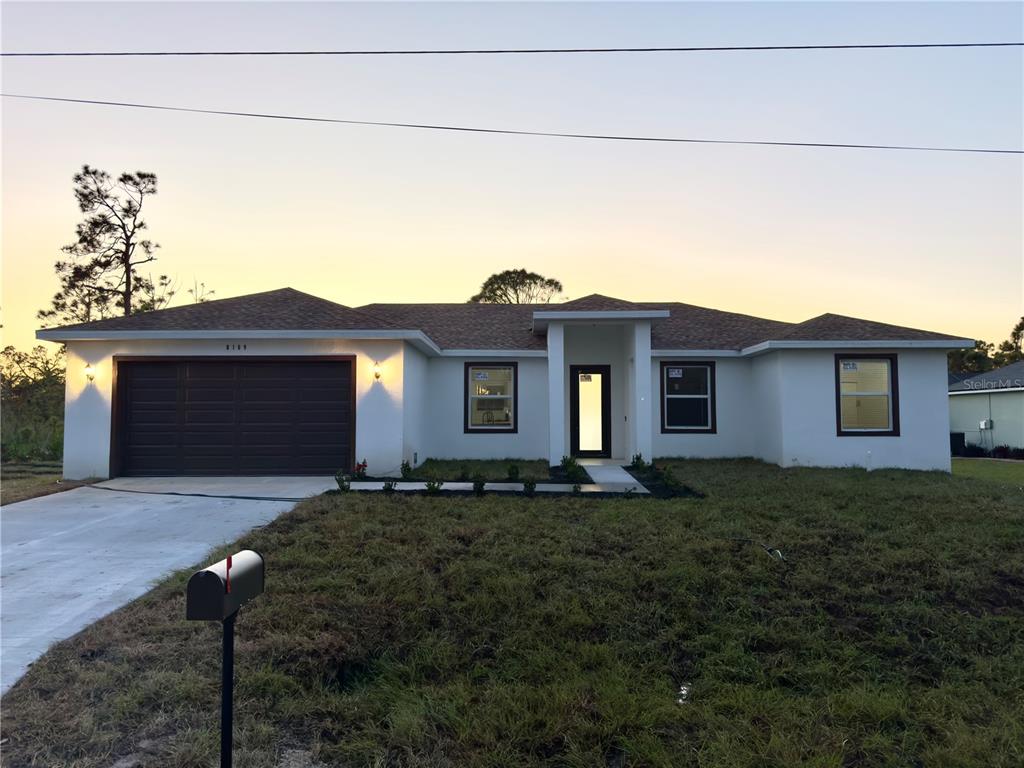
[494,470]
[497,631]
[988,469]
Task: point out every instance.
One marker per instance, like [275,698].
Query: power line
[511,132]
[485,51]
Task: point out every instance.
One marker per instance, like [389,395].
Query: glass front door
[590,410]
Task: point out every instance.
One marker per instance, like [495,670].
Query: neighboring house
[988,408]
[286,383]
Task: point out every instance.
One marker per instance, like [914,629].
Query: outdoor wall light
[90,372]
[376,370]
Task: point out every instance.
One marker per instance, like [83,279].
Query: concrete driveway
[70,558]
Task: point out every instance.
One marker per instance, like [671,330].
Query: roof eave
[541,318]
[773,346]
[415,337]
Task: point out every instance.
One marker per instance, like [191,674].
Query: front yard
[498,631]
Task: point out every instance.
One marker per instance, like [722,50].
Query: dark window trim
[605,451]
[116,412]
[894,397]
[466,428]
[712,399]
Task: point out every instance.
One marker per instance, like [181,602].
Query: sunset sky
[364,214]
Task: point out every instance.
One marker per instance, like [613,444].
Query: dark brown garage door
[231,417]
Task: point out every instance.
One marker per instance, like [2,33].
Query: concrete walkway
[70,558]
[610,474]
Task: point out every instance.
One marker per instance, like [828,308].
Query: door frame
[117,389]
[606,411]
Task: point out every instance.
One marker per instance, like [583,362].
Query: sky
[370,214]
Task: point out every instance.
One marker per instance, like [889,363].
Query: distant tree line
[986,357]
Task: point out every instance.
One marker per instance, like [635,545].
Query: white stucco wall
[808,411]
[599,345]
[737,425]
[444,436]
[780,407]
[87,407]
[765,408]
[1006,409]
[415,405]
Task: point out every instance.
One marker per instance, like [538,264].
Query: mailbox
[217,592]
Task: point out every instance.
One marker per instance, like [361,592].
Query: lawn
[497,631]
[990,469]
[20,481]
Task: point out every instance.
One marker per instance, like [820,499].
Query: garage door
[232,417]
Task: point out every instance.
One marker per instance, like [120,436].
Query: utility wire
[511,132]
[484,51]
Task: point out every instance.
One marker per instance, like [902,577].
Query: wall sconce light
[376,370]
[90,372]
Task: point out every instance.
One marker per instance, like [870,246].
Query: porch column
[640,408]
[556,393]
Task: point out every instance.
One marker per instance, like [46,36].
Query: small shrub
[388,487]
[637,462]
[567,463]
[406,469]
[1000,452]
[576,489]
[343,481]
[974,451]
[576,474]
[478,485]
[529,487]
[1017,453]
[359,471]
[513,473]
[434,487]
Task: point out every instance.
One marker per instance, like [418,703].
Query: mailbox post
[215,594]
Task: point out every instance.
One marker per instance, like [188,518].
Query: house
[988,408]
[287,383]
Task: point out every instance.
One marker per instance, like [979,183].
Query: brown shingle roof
[468,326]
[829,327]
[497,326]
[282,310]
[596,302]
[692,327]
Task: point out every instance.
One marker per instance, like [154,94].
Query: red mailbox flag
[227,576]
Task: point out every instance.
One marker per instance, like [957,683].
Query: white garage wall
[444,437]
[736,427]
[807,394]
[1006,409]
[87,408]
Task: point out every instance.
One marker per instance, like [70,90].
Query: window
[688,397]
[867,396]
[491,397]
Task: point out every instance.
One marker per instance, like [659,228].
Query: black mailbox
[217,592]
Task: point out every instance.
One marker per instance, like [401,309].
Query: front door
[590,423]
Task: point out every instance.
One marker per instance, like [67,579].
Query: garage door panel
[272,395]
[209,370]
[215,417]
